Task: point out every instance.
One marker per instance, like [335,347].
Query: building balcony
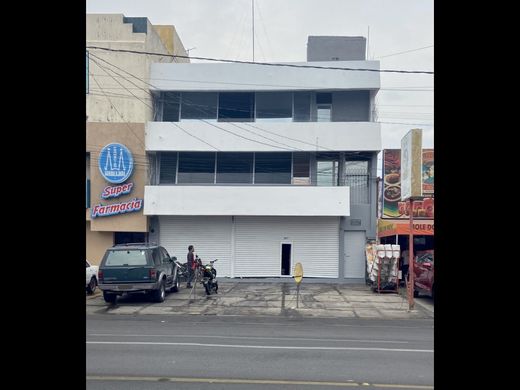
[247,200]
[262,136]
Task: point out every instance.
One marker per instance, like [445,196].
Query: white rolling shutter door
[315,244]
[211,237]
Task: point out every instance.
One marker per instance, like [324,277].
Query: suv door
[167,264]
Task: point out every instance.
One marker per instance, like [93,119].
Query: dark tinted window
[273,168]
[234,167]
[323,98]
[301,164]
[302,106]
[199,105]
[236,106]
[164,255]
[168,167]
[171,106]
[274,106]
[196,167]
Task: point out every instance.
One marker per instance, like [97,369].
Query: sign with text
[411,164]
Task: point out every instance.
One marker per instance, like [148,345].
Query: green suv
[131,268]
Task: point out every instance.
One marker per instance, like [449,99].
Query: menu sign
[392,205]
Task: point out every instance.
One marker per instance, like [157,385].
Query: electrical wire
[263,63]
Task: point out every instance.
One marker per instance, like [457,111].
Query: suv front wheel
[160,293]
[176,284]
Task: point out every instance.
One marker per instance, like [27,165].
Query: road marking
[242,337]
[259,346]
[245,381]
[403,386]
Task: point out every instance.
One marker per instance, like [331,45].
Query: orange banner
[387,227]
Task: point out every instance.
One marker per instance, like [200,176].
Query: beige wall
[97,244]
[171,40]
[104,101]
[132,136]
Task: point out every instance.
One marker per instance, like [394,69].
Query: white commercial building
[266,166]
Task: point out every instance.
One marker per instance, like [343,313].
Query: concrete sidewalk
[270,299]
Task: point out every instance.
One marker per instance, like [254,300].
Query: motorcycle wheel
[206,287]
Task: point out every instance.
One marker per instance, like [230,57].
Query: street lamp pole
[411,303]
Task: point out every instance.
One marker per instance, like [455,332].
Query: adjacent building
[119,103]
[265,166]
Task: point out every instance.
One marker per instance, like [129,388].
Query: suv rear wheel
[160,293]
[109,298]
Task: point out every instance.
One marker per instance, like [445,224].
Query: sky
[223,29]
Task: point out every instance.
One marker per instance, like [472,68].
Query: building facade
[265,166]
[118,106]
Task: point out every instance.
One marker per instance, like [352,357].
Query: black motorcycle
[209,276]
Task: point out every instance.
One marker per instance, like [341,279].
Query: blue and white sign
[115,163]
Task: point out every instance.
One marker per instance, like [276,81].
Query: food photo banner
[392,205]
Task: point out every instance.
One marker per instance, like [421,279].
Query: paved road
[198,352]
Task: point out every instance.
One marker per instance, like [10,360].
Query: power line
[403,123]
[264,63]
[194,136]
[403,52]
[259,135]
[122,117]
[231,132]
[293,139]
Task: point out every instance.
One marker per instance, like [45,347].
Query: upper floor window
[274,106]
[302,107]
[235,167]
[324,107]
[357,178]
[199,105]
[236,107]
[196,167]
[273,168]
[301,168]
[168,167]
[298,106]
[171,104]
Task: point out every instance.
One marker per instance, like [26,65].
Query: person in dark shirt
[190,264]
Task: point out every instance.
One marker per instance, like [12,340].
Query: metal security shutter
[315,244]
[355,254]
[211,237]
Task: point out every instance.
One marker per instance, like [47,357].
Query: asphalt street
[199,352]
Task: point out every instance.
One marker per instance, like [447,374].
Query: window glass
[234,167]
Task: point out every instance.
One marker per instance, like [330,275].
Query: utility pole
[368,43]
[253,18]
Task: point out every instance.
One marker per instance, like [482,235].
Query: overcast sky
[222,29]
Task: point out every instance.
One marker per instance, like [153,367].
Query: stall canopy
[388,227]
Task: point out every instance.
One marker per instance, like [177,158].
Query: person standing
[406,256]
[190,265]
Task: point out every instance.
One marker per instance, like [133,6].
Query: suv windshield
[126,257]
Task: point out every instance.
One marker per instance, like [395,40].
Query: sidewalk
[270,299]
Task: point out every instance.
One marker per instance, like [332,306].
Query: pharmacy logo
[115,163]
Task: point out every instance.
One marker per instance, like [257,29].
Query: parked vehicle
[141,267]
[92,277]
[182,270]
[424,273]
[208,276]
